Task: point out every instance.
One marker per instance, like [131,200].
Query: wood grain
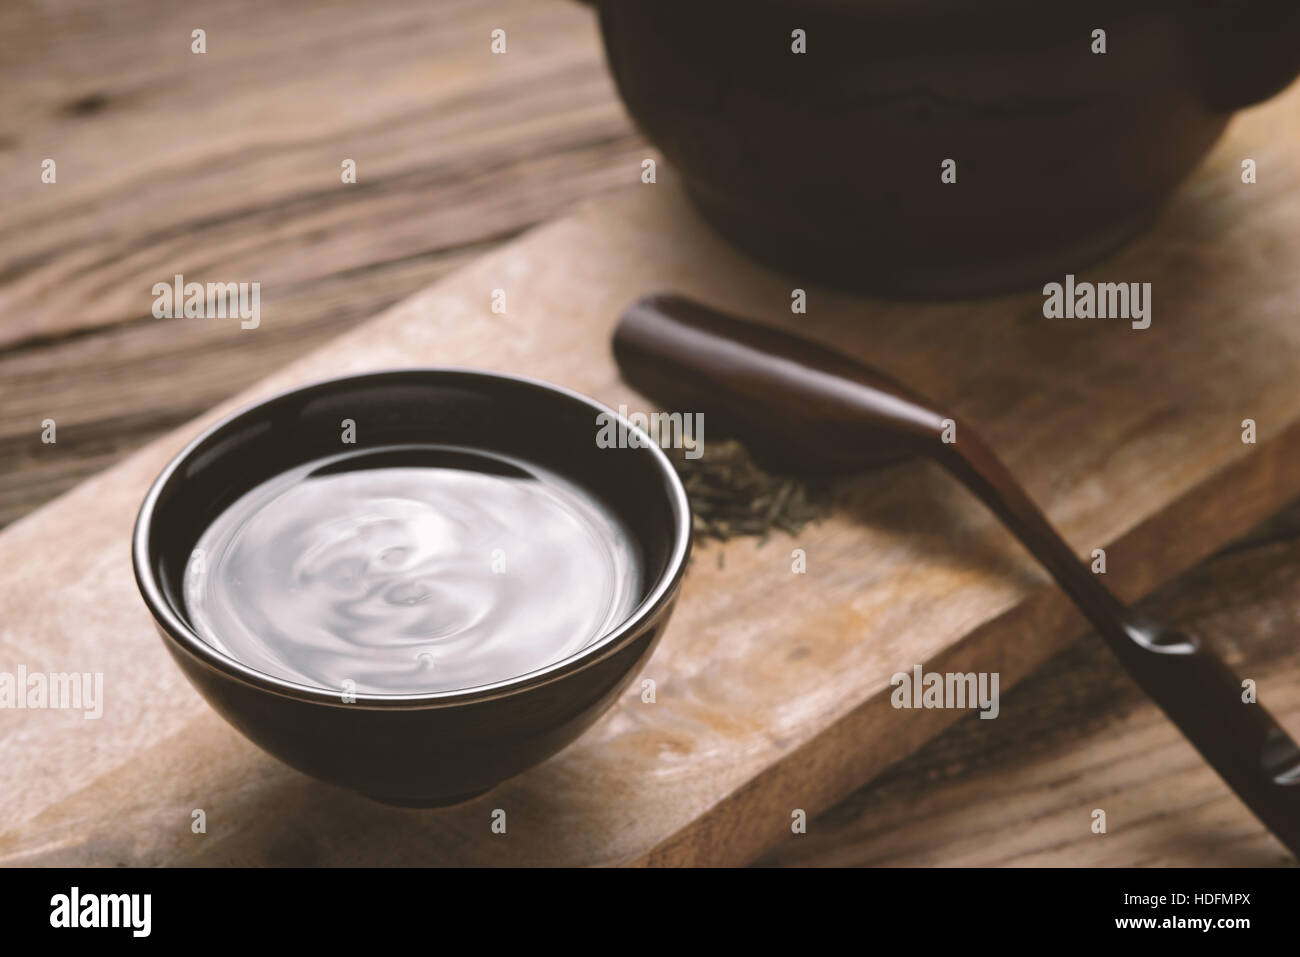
[226,167]
[772,686]
[94,85]
[1080,735]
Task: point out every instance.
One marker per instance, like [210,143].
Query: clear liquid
[409,571]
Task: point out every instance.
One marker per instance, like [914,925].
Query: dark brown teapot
[832,163]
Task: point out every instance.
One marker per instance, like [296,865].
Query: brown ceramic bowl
[415,749]
[827,164]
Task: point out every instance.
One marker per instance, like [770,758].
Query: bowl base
[429,804]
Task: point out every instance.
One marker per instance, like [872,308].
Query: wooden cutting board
[772,687]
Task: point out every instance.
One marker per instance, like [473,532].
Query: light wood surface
[772,686]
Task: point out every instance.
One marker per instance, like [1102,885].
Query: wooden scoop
[803,408]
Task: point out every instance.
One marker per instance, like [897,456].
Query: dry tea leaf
[732,497]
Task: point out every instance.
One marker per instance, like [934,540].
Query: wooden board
[1083,736]
[772,687]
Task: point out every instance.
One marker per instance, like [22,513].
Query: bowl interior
[497,414]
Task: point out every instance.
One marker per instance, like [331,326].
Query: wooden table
[458,150]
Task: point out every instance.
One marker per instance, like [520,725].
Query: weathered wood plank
[1080,735]
[773,686]
[760,711]
[226,166]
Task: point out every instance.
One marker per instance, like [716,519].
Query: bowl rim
[182,636]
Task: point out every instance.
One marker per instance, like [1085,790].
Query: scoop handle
[796,405]
[1194,687]
[810,409]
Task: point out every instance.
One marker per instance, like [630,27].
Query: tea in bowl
[413,584]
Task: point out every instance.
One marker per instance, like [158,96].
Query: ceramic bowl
[433,749]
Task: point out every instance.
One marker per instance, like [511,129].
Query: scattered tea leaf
[732,497]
